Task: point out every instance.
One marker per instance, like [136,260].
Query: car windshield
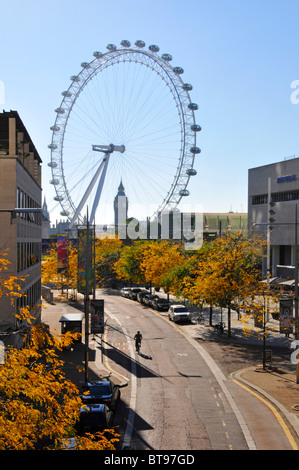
[100,389]
[180,309]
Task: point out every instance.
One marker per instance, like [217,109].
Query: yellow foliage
[158,259]
[9,285]
[38,405]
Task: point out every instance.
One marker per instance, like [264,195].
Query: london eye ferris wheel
[127,117]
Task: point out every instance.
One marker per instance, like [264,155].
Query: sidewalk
[277,386]
[74,358]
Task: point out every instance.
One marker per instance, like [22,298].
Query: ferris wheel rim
[180,93]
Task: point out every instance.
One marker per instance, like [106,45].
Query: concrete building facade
[20,233]
[273,198]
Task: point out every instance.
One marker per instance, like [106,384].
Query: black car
[141,294]
[160,304]
[94,418]
[102,392]
[148,299]
[133,293]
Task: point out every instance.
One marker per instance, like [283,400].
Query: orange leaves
[9,285]
[158,259]
[227,271]
[38,405]
[107,253]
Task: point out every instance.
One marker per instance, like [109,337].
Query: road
[178,398]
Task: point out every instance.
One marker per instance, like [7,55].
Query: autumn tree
[39,407]
[50,273]
[158,258]
[10,286]
[49,267]
[128,266]
[228,273]
[107,253]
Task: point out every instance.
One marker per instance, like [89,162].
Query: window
[276,197]
[28,254]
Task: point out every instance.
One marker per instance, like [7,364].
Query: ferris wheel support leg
[87,192]
[99,190]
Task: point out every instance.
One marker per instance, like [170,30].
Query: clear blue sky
[240,57]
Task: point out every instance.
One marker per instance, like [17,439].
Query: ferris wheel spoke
[87,192]
[99,190]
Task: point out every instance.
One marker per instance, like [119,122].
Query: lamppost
[85,285]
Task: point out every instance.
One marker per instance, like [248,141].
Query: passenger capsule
[52,146]
[64,213]
[166,57]
[195,127]
[184,192]
[154,48]
[178,70]
[125,43]
[139,43]
[75,78]
[54,182]
[191,172]
[111,47]
[59,110]
[55,128]
[97,54]
[85,65]
[52,164]
[195,150]
[187,87]
[193,106]
[58,198]
[67,94]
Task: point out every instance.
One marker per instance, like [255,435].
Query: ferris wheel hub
[109,148]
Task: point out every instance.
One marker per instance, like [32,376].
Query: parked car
[102,392]
[141,294]
[125,291]
[133,293]
[148,299]
[93,418]
[160,304]
[179,313]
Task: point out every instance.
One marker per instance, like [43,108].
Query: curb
[291,419]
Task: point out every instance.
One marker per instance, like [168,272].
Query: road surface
[178,398]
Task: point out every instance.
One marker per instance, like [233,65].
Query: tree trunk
[228,322]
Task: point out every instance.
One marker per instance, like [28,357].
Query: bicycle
[199,319]
[138,346]
[219,327]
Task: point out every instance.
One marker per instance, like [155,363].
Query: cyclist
[138,338]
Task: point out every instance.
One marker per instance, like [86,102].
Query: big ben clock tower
[120,207]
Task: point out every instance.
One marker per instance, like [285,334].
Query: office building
[20,233]
[273,199]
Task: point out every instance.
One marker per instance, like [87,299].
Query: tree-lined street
[182,398]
